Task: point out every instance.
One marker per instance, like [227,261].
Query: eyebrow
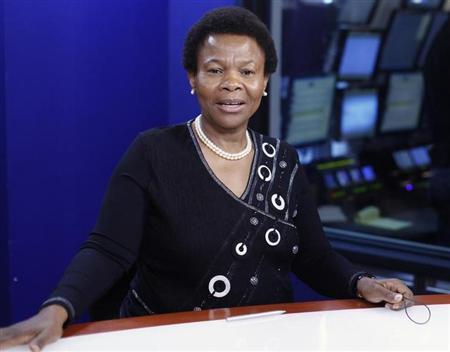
[214,60]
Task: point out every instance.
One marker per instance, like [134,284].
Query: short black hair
[229,20]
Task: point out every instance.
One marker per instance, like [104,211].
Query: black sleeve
[317,264]
[113,246]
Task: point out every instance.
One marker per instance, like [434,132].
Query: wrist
[360,282]
[56,313]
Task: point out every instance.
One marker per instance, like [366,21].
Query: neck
[232,140]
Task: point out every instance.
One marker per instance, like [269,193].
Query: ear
[266,80]
[191,78]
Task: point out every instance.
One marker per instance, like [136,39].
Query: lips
[231,105]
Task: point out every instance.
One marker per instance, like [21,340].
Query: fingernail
[398,297]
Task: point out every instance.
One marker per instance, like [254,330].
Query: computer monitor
[343,178]
[356,11]
[424,4]
[405,36]
[359,55]
[329,180]
[438,21]
[403,103]
[355,175]
[359,112]
[368,173]
[310,110]
[403,160]
[420,156]
[383,13]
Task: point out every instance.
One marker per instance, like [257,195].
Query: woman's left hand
[392,291]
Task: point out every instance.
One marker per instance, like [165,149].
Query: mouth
[231,105]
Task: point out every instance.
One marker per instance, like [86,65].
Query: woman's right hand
[40,330]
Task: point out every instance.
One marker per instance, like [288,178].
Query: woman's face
[230,79]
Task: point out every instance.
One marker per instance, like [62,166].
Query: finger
[43,339]
[385,294]
[394,306]
[12,338]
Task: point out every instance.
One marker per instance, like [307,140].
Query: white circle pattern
[269,241]
[269,154]
[278,201]
[261,176]
[241,249]
[225,281]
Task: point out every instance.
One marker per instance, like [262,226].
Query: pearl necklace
[216,149]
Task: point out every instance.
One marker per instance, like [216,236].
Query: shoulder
[164,134]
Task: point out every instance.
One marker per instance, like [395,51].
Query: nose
[231,81]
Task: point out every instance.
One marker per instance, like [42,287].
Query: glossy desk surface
[324,325]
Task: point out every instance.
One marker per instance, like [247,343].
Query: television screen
[383,13]
[356,11]
[355,175]
[329,181]
[421,157]
[368,173]
[424,4]
[403,160]
[359,111]
[438,21]
[403,103]
[405,36]
[359,55]
[342,178]
[310,110]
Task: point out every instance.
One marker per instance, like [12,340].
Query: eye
[247,72]
[214,70]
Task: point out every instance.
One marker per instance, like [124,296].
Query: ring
[224,280]
[272,243]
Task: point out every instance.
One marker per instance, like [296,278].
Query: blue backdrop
[83,77]
[79,79]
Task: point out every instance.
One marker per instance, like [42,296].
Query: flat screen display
[330,182]
[424,4]
[404,38]
[356,11]
[383,13]
[438,21]
[342,178]
[355,175]
[403,160]
[359,111]
[359,55]
[421,157]
[403,103]
[368,173]
[310,110]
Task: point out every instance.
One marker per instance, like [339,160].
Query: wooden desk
[216,314]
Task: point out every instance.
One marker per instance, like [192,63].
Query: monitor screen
[405,36]
[420,156]
[359,55]
[310,110]
[330,182]
[368,173]
[438,21]
[424,4]
[356,11]
[403,160]
[383,13]
[359,111]
[342,178]
[355,175]
[403,103]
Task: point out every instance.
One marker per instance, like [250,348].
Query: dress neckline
[251,175]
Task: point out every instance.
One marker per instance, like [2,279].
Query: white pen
[256,315]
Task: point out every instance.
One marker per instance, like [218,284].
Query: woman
[213,214]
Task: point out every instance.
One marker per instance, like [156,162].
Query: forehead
[224,46]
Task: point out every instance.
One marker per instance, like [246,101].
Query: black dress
[195,244]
